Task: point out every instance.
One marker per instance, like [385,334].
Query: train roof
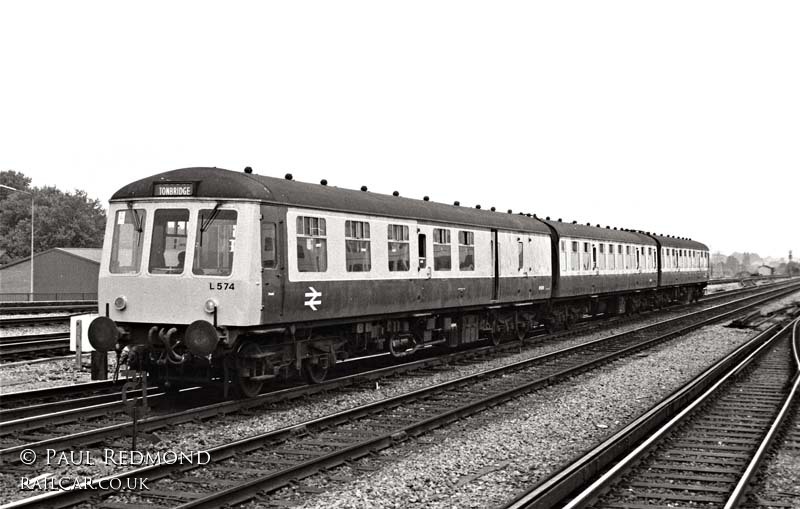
[680,243]
[217,183]
[582,231]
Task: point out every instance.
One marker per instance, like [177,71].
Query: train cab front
[179,277]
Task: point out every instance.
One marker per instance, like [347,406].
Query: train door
[495,266]
[273,261]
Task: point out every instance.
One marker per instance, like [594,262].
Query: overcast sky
[679,117]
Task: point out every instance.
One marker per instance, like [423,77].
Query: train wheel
[495,336]
[522,330]
[248,387]
[315,373]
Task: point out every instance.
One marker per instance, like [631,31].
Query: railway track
[700,448]
[273,459]
[775,486]
[54,425]
[7,308]
[17,346]
[37,401]
[34,320]
[18,405]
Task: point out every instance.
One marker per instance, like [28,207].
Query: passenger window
[574,260]
[587,261]
[442,259]
[126,244]
[466,250]
[602,259]
[399,254]
[611,264]
[620,257]
[312,244]
[269,253]
[563,256]
[638,261]
[168,245]
[215,242]
[357,246]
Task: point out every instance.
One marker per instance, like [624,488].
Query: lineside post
[99,365]
[78,336]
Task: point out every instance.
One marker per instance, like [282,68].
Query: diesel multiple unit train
[214,275]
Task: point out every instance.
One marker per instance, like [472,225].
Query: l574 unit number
[221,286]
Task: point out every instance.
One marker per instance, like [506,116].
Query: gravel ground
[40,375]
[780,475]
[711,289]
[198,436]
[792,298]
[481,463]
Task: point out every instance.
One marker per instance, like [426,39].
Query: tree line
[743,264]
[61,219]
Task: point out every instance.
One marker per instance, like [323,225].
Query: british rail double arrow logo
[313,298]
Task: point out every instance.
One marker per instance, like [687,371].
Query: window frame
[391,230]
[357,233]
[586,256]
[601,256]
[575,257]
[466,249]
[196,269]
[168,270]
[301,233]
[140,218]
[441,237]
[276,257]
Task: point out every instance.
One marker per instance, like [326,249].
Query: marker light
[210,306]
[120,302]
